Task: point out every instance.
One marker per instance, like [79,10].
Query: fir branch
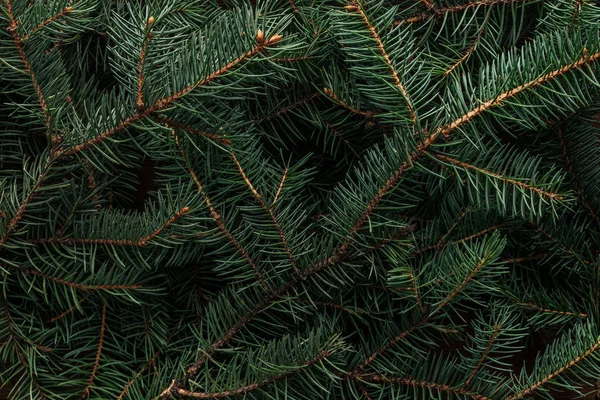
[482,262]
[269,211]
[279,188]
[484,355]
[216,216]
[67,311]
[79,286]
[440,245]
[566,249]
[257,385]
[535,307]
[421,384]
[518,260]
[140,85]
[90,381]
[329,93]
[355,6]
[176,125]
[288,108]
[543,193]
[62,13]
[569,168]
[556,373]
[166,102]
[19,46]
[436,13]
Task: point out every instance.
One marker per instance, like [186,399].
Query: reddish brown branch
[140,85]
[90,382]
[80,286]
[64,12]
[216,216]
[355,6]
[288,108]
[329,93]
[556,373]
[255,386]
[269,212]
[543,193]
[484,355]
[421,384]
[66,312]
[166,102]
[279,188]
[176,125]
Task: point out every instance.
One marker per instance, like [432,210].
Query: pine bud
[150,21]
[68,9]
[260,37]
[275,39]
[351,7]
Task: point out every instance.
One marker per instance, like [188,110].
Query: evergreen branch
[329,93]
[543,193]
[548,310]
[421,384]
[436,13]
[216,216]
[140,85]
[482,262]
[336,306]
[19,46]
[288,108]
[355,6]
[524,259]
[467,54]
[67,312]
[279,188]
[79,286]
[64,12]
[269,211]
[164,103]
[484,355]
[176,125]
[568,250]
[439,246]
[555,373]
[569,168]
[90,382]
[141,242]
[140,373]
[255,386]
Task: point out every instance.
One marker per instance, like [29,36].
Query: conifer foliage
[299,199]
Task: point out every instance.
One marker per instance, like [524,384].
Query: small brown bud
[275,39]
[150,21]
[260,36]
[68,9]
[351,7]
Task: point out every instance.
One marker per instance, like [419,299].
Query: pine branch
[287,108]
[90,382]
[258,385]
[216,216]
[166,102]
[64,12]
[438,387]
[279,188]
[569,168]
[441,244]
[176,125]
[329,93]
[556,373]
[436,13]
[484,355]
[269,211]
[140,86]
[67,311]
[568,250]
[79,286]
[19,46]
[553,196]
[547,310]
[355,6]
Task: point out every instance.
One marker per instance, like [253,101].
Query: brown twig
[79,286]
[64,12]
[90,381]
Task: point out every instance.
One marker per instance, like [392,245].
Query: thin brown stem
[269,212]
[279,188]
[176,125]
[439,387]
[79,286]
[90,381]
[64,12]
[166,102]
[329,93]
[67,312]
[257,385]
[556,373]
[355,6]
[543,193]
[484,355]
[140,85]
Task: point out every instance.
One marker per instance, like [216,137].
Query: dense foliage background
[362,199]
